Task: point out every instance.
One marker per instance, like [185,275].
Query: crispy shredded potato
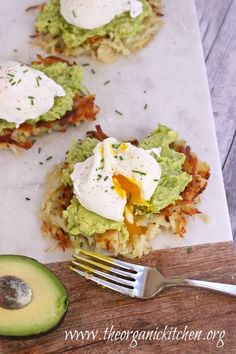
[23,137]
[84,108]
[172,218]
[103,48]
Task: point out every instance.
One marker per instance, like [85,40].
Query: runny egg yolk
[134,229]
[122,147]
[129,189]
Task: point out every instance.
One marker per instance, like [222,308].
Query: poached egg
[115,178]
[91,14]
[25,93]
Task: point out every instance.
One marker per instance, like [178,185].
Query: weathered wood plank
[218,28]
[212,16]
[229,172]
[94,308]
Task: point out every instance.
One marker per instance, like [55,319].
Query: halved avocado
[49,302]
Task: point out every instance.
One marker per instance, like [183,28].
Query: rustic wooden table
[210,316]
[217,21]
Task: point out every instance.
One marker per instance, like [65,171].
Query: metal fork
[134,280]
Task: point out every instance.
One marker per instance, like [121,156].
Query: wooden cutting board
[94,308]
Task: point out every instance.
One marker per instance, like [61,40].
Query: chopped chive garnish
[112,187]
[145,107]
[31,99]
[139,172]
[40,163]
[107,82]
[19,81]
[74,14]
[13,83]
[18,108]
[121,158]
[39,150]
[85,64]
[115,146]
[106,178]
[118,112]
[11,75]
[38,80]
[27,198]
[10,80]
[49,158]
[82,92]
[156,180]
[25,71]
[93,71]
[189,250]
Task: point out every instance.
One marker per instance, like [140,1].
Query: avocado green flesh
[49,302]
[124,26]
[69,77]
[172,183]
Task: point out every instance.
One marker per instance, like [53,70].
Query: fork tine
[104,283]
[108,276]
[105,267]
[126,266]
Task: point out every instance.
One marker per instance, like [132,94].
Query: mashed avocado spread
[69,77]
[173,181]
[51,21]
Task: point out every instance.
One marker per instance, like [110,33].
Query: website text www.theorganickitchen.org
[133,337]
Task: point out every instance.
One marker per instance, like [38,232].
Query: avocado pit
[32,299]
[14,293]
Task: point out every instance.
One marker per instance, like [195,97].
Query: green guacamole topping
[82,221]
[124,26]
[69,77]
[173,181]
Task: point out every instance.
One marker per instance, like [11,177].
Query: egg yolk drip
[129,188]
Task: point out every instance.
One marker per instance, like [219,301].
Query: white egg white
[25,93]
[91,14]
[94,180]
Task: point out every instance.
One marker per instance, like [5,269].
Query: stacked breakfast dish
[117,196]
[45,96]
[104,29]
[107,194]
